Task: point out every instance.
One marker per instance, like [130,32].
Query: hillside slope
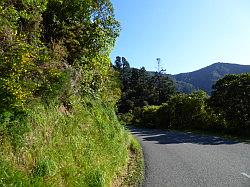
[85,146]
[58,125]
[204,78]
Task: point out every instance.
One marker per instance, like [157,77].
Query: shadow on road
[173,137]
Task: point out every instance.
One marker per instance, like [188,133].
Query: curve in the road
[188,159]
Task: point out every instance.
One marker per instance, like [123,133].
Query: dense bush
[149,116]
[231,99]
[52,49]
[26,67]
[187,111]
[226,110]
[182,111]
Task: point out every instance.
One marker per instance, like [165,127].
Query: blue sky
[186,34]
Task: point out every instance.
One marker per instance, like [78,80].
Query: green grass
[133,173]
[136,164]
[86,147]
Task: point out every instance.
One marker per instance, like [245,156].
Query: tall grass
[84,147]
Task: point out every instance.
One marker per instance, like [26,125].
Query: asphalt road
[187,159]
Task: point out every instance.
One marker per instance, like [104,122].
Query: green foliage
[53,49]
[182,112]
[226,110]
[231,99]
[87,31]
[27,70]
[45,168]
[54,54]
[149,116]
[126,118]
[87,28]
[190,111]
[139,88]
[186,110]
[184,87]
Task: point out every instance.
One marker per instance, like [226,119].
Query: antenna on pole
[159,67]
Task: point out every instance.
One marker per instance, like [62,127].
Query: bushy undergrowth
[188,111]
[85,146]
[231,99]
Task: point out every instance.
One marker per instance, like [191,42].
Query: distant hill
[204,78]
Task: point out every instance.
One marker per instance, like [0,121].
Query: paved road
[187,159]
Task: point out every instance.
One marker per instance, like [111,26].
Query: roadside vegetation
[151,101]
[84,148]
[133,174]
[58,91]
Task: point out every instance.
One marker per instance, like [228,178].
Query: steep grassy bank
[58,92]
[85,146]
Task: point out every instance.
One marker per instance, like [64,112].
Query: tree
[118,63]
[26,68]
[162,88]
[46,43]
[230,98]
[87,28]
[134,89]
[139,88]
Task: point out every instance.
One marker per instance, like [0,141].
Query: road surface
[187,159]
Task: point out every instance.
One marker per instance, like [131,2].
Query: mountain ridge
[204,78]
[214,64]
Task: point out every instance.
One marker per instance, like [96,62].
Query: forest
[153,101]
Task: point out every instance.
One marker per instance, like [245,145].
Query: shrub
[182,112]
[163,114]
[187,111]
[149,116]
[126,118]
[230,99]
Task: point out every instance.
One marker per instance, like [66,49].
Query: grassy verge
[85,146]
[133,173]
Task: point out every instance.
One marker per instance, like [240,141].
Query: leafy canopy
[230,98]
